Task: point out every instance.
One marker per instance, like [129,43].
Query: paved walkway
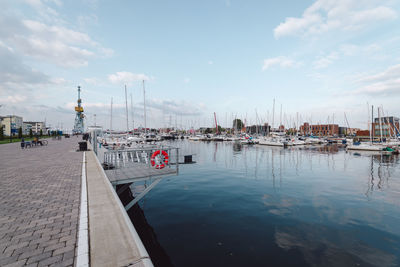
[39,203]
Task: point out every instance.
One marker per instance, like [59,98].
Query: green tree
[30,133]
[208,131]
[20,132]
[41,133]
[220,129]
[237,124]
[1,133]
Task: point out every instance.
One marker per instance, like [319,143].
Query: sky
[318,59]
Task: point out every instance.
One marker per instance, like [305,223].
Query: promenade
[48,218]
[39,203]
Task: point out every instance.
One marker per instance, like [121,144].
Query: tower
[78,126]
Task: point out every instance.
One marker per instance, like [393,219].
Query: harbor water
[255,205]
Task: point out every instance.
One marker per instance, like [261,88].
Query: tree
[237,124]
[41,133]
[20,132]
[30,133]
[220,129]
[1,133]
[208,131]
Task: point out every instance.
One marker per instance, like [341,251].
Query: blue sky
[318,59]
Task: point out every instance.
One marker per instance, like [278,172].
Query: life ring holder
[165,161]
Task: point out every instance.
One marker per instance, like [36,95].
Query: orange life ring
[164,162]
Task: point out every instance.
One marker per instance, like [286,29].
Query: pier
[57,207]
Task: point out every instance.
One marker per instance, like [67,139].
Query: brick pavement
[39,203]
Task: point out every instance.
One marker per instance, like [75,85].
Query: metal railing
[139,155]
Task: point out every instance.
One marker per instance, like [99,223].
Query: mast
[372,119]
[133,121]
[216,124]
[280,119]
[273,115]
[380,124]
[111,115]
[126,109]
[144,108]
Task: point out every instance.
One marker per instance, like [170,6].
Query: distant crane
[78,126]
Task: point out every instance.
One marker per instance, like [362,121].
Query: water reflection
[324,246]
[317,206]
[275,163]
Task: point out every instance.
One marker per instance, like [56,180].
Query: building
[258,129]
[11,124]
[352,131]
[390,126]
[36,126]
[319,129]
[342,131]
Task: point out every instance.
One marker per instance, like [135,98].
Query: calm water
[265,206]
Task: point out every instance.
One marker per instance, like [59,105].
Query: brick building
[390,126]
[319,129]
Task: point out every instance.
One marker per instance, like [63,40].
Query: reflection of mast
[371,181]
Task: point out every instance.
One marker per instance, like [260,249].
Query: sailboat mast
[111,115]
[380,124]
[273,115]
[126,109]
[372,119]
[133,121]
[144,108]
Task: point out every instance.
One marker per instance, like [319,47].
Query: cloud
[325,61]
[326,15]
[17,77]
[381,84]
[283,62]
[51,43]
[173,107]
[13,99]
[210,62]
[125,77]
[186,80]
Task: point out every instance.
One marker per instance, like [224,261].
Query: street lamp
[10,130]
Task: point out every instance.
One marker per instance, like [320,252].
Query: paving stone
[16,264]
[49,261]
[39,257]
[39,202]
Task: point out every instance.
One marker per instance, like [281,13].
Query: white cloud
[325,61]
[326,15]
[283,62]
[50,42]
[125,77]
[210,62]
[14,99]
[385,83]
[186,80]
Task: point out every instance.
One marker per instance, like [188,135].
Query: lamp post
[10,130]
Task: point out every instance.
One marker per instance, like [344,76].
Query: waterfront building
[258,129]
[319,129]
[389,125]
[11,124]
[36,126]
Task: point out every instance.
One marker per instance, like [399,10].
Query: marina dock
[58,208]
